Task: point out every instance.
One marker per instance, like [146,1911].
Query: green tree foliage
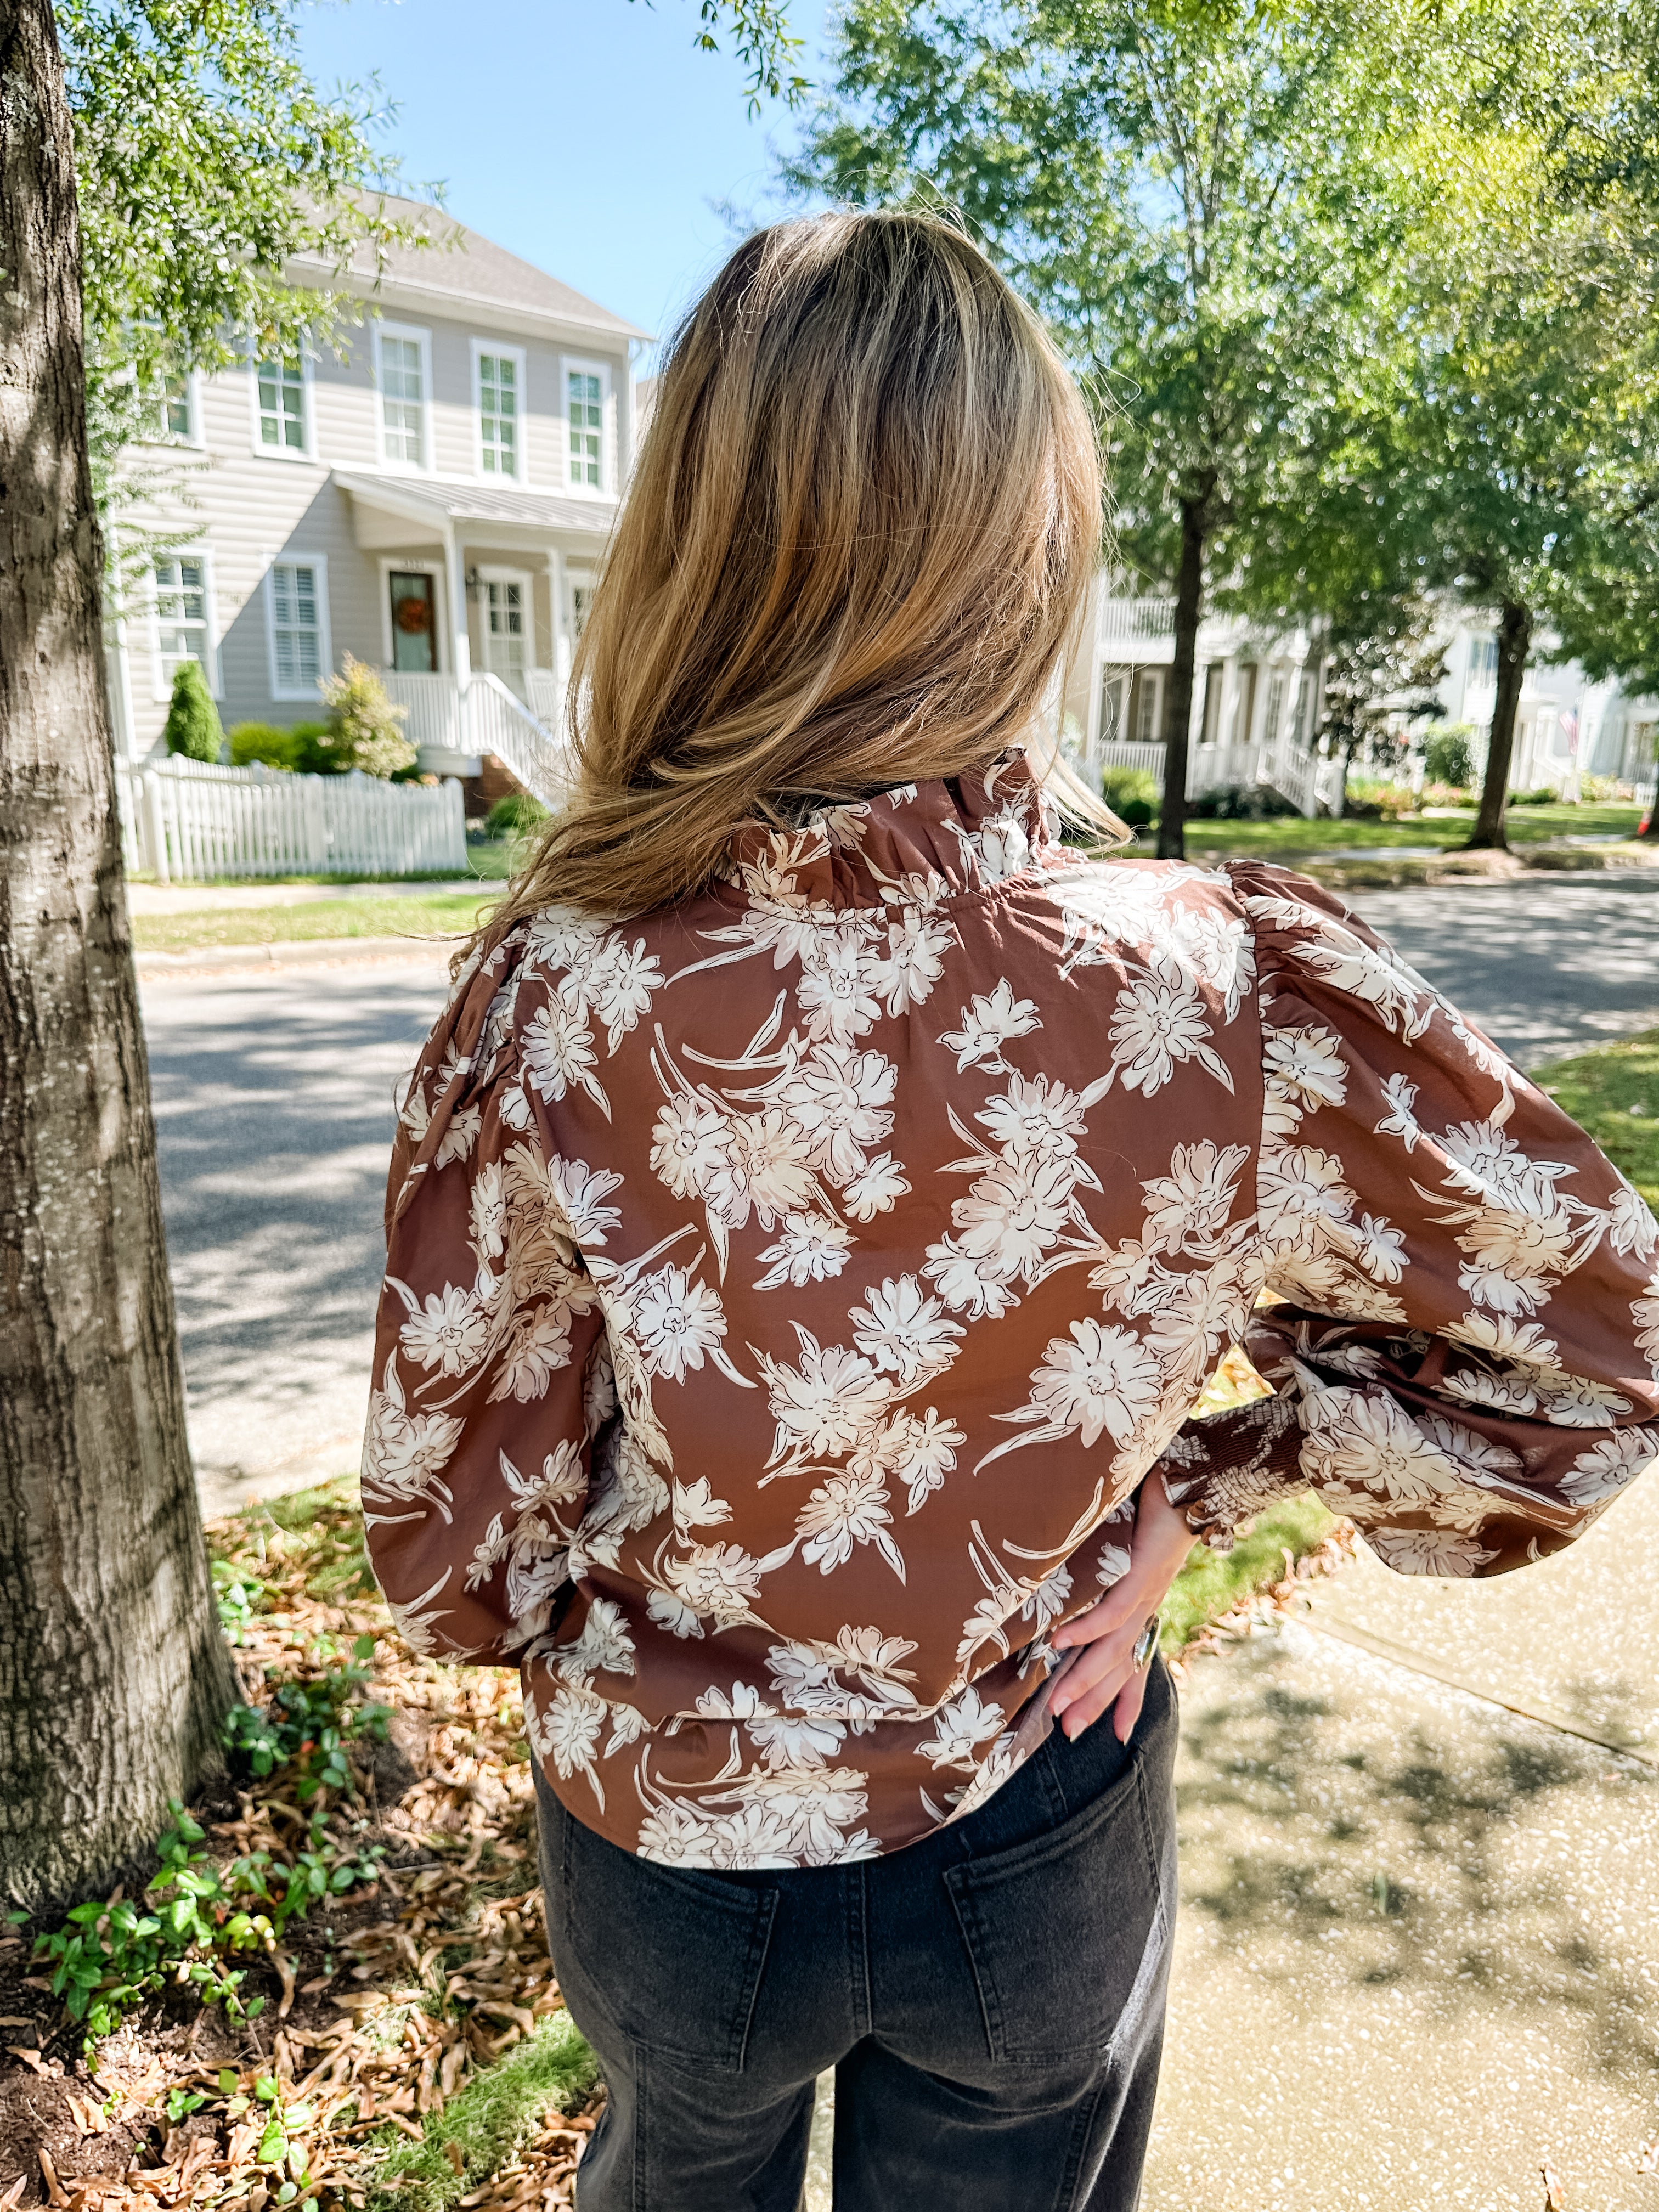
[192,727]
[1196,197]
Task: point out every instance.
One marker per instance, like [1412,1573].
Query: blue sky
[590,138]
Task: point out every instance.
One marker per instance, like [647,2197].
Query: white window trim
[1151,685]
[291,557]
[160,681]
[569,364]
[423,339]
[306,456]
[519,359]
[391,565]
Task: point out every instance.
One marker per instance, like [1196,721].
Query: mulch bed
[382,2003]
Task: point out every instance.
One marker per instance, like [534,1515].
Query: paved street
[273,1096]
[274,1105]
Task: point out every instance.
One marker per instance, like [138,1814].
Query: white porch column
[1096,669]
[460,646]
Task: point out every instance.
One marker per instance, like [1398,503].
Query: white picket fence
[185,821]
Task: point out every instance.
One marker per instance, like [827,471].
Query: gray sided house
[433,500]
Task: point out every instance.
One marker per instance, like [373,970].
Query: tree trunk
[113,1676]
[1178,699]
[1514,642]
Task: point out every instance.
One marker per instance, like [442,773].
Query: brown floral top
[787,1292]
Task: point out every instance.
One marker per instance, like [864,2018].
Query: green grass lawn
[1614,1092]
[447,914]
[1293,839]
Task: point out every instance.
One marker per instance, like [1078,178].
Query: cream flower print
[987,1024]
[903,1332]
[812,1248]
[877,1188]
[838,1099]
[736,1249]
[1158,1024]
[677,1321]
[1103,1381]
[448,1332]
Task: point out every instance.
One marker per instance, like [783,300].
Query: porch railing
[487,717]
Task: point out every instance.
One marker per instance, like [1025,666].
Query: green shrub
[1369,800]
[264,744]
[1122,786]
[193,724]
[515,816]
[364,730]
[1448,754]
[1543,796]
[1238,802]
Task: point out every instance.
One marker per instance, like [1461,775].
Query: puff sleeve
[1464,1342]
[489,1385]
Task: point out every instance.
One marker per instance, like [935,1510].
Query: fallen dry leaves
[385,2002]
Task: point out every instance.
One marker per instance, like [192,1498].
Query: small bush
[515,816]
[1544,795]
[1238,802]
[1602,790]
[192,727]
[262,744]
[1443,794]
[1448,755]
[1122,786]
[1368,801]
[364,729]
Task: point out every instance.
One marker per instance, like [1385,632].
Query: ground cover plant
[1293,839]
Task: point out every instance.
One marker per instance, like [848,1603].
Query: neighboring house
[1562,722]
[434,500]
[1258,697]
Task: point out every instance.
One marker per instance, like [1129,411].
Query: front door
[504,605]
[414,621]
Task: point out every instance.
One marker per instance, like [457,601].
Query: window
[1210,724]
[1148,729]
[1483,660]
[585,415]
[297,606]
[405,377]
[176,416]
[1304,700]
[181,614]
[1114,704]
[280,401]
[501,381]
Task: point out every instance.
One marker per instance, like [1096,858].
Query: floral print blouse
[787,1291]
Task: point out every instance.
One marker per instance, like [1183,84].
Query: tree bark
[113,1676]
[1178,701]
[1514,643]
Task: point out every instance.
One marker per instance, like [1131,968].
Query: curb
[309,951]
[1469,868]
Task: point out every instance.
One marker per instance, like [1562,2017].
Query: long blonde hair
[854,552]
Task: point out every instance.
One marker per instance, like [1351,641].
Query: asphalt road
[274,1095]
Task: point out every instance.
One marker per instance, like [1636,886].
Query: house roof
[466,266]
[431,500]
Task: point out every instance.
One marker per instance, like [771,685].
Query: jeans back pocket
[1068,1935]
[674,1955]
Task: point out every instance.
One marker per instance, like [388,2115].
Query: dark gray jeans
[991,1999]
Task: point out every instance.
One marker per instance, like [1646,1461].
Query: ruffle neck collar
[915,844]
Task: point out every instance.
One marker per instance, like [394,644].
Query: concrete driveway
[274,1097]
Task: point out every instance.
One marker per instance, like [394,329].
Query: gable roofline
[465,269]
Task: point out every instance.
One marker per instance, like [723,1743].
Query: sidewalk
[1419,1954]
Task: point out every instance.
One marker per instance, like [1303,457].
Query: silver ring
[1146,1645]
